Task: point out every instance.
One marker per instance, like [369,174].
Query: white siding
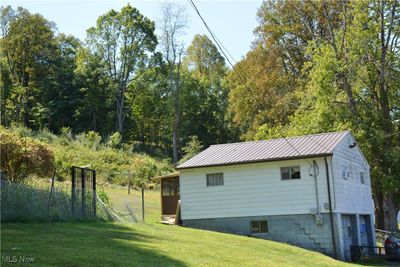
[251,190]
[351,195]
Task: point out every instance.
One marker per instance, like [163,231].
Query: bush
[22,156]
[114,140]
[86,149]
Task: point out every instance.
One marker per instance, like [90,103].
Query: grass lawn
[112,244]
[146,244]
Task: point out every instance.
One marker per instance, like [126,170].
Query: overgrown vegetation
[21,157]
[86,149]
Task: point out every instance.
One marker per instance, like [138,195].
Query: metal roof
[266,150]
[170,175]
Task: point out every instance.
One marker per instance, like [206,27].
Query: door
[363,231]
[170,195]
[348,234]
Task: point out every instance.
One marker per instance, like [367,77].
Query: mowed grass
[112,244]
[146,244]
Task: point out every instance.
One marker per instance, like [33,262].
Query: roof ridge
[280,138]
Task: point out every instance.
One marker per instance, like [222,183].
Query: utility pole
[142,203]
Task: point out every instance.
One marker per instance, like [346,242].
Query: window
[259,227]
[170,187]
[288,173]
[345,172]
[166,188]
[362,177]
[215,179]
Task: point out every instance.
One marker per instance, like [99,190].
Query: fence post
[142,203]
[94,192]
[83,191]
[73,196]
[129,182]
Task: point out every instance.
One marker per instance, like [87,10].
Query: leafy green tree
[152,109]
[123,41]
[204,95]
[94,104]
[192,148]
[61,93]
[352,84]
[28,48]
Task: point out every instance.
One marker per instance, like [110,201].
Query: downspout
[330,209]
[315,174]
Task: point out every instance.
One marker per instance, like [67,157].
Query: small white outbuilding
[313,191]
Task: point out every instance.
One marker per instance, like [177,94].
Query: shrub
[92,139]
[114,140]
[22,156]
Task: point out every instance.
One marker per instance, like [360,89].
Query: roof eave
[255,161]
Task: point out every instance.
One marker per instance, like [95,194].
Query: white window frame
[215,179]
[291,168]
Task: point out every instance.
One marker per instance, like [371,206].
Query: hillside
[107,244]
[107,155]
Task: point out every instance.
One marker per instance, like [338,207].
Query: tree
[263,89]
[204,95]
[192,148]
[345,89]
[151,109]
[204,60]
[123,40]
[172,28]
[95,98]
[62,95]
[28,50]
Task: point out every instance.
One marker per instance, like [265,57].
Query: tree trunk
[120,112]
[177,114]
[390,213]
[379,214]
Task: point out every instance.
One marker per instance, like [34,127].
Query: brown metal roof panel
[266,150]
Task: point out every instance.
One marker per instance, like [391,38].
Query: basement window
[214,179]
[258,227]
[289,173]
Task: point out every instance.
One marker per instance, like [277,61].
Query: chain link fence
[40,201]
[128,206]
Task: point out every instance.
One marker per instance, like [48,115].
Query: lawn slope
[112,244]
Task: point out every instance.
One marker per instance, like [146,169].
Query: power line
[222,48]
[213,36]
[220,45]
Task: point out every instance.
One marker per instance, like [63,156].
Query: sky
[231,21]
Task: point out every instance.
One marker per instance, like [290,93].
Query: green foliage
[92,139]
[144,170]
[349,82]
[102,194]
[85,149]
[192,148]
[114,140]
[23,156]
[123,41]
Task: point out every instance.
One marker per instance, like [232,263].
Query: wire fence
[40,201]
[127,206]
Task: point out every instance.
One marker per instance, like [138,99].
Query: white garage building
[313,191]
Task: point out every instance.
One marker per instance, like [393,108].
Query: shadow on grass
[82,244]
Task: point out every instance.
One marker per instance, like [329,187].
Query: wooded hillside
[315,66]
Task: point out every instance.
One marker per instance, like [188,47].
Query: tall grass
[36,202]
[112,162]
